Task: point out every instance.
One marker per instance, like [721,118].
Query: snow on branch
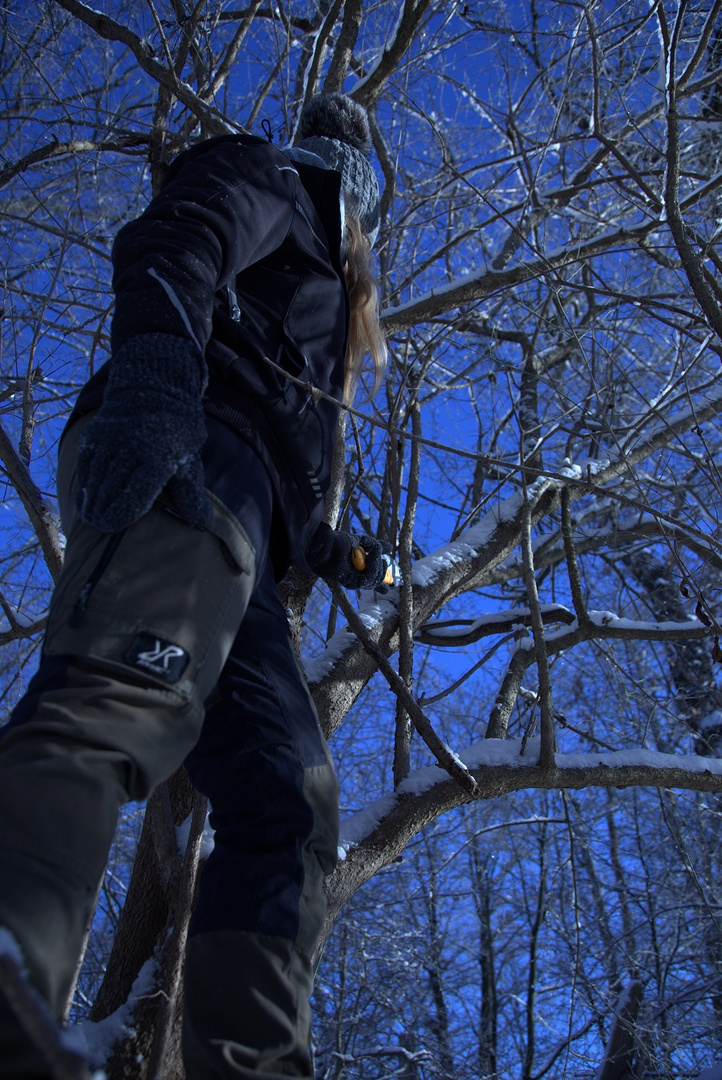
[340,673]
[455,633]
[376,836]
[482,283]
[490,759]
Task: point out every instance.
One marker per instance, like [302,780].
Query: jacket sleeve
[221,211]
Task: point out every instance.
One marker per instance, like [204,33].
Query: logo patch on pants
[158,657]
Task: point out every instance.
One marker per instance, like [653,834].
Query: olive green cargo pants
[167,643]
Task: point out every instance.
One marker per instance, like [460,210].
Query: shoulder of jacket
[248,150]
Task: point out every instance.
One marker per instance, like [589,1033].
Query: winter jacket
[240,253]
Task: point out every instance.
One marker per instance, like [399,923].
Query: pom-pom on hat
[336,128]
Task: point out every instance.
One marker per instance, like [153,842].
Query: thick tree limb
[620,1050]
[690,260]
[368,89]
[338,68]
[410,812]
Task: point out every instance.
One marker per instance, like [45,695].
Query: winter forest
[527,730]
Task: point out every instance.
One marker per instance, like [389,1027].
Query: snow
[71,1038]
[468,544]
[182,833]
[508,752]
[322,665]
[581,470]
[652,759]
[373,609]
[99,1038]
[357,827]
[21,619]
[608,618]
[505,619]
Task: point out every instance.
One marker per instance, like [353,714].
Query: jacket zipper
[233,308]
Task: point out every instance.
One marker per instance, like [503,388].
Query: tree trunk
[153,929]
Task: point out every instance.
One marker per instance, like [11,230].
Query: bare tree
[547,432]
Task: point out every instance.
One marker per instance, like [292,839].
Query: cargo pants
[168,644]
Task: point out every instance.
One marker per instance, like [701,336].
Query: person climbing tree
[192,472]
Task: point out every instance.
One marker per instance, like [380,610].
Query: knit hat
[336,128]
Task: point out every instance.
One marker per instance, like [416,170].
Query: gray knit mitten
[146,436]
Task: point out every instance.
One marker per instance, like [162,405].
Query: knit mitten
[146,436]
[331,555]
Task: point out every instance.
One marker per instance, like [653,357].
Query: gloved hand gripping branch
[147,434]
[332,555]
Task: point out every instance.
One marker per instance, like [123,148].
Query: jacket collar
[323,186]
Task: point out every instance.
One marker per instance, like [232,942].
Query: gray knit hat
[336,128]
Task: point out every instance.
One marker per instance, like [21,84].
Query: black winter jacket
[240,252]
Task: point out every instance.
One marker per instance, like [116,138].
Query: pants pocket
[164,602]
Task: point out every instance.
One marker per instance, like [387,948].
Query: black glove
[330,555]
[147,434]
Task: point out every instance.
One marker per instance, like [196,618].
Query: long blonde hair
[365,335]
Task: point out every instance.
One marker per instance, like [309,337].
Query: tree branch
[546,758]
[443,755]
[368,89]
[690,261]
[74,146]
[411,812]
[111,30]
[338,68]
[41,518]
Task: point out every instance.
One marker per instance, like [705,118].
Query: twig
[467,674]
[575,581]
[546,753]
[36,508]
[443,755]
[232,51]
[112,30]
[691,263]
[402,741]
